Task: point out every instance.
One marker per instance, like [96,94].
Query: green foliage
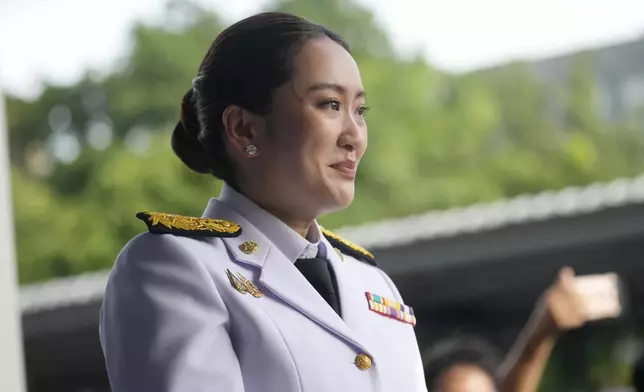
[354,23]
[594,358]
[159,70]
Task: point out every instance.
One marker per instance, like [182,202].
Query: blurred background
[506,140]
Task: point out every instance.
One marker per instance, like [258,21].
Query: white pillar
[12,376]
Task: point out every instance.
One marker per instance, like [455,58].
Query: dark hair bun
[185,138]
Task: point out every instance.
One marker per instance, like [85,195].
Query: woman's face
[316,133]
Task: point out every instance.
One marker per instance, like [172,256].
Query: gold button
[363,361]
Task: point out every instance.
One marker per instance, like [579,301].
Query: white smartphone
[601,295]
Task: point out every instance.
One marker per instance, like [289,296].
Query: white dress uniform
[205,305]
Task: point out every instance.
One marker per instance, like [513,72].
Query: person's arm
[163,323]
[558,310]
[525,363]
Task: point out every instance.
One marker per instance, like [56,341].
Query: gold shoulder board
[162,223]
[349,248]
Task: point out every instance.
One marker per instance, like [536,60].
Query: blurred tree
[144,91]
[354,23]
[159,69]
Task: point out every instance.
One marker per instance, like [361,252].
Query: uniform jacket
[173,320]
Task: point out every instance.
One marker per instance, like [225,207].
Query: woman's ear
[242,129]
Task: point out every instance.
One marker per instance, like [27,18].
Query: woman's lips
[347,168]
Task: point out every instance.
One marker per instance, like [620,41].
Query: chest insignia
[243,285]
[390,308]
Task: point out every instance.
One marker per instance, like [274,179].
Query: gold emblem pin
[249,247]
[243,285]
[236,283]
[251,288]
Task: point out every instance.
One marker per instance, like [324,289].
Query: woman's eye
[362,110]
[333,105]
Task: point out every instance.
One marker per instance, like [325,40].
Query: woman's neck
[300,224]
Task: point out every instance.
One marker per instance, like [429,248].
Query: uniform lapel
[351,289]
[279,275]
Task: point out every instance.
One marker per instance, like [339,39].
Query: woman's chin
[343,195]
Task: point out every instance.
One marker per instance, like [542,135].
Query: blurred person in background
[470,365]
[255,295]
[461,365]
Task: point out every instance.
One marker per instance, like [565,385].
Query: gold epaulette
[349,248]
[162,223]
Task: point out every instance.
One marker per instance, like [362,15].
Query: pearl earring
[251,150]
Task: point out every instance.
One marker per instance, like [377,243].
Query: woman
[255,296]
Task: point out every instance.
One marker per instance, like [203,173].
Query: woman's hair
[447,354]
[243,66]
